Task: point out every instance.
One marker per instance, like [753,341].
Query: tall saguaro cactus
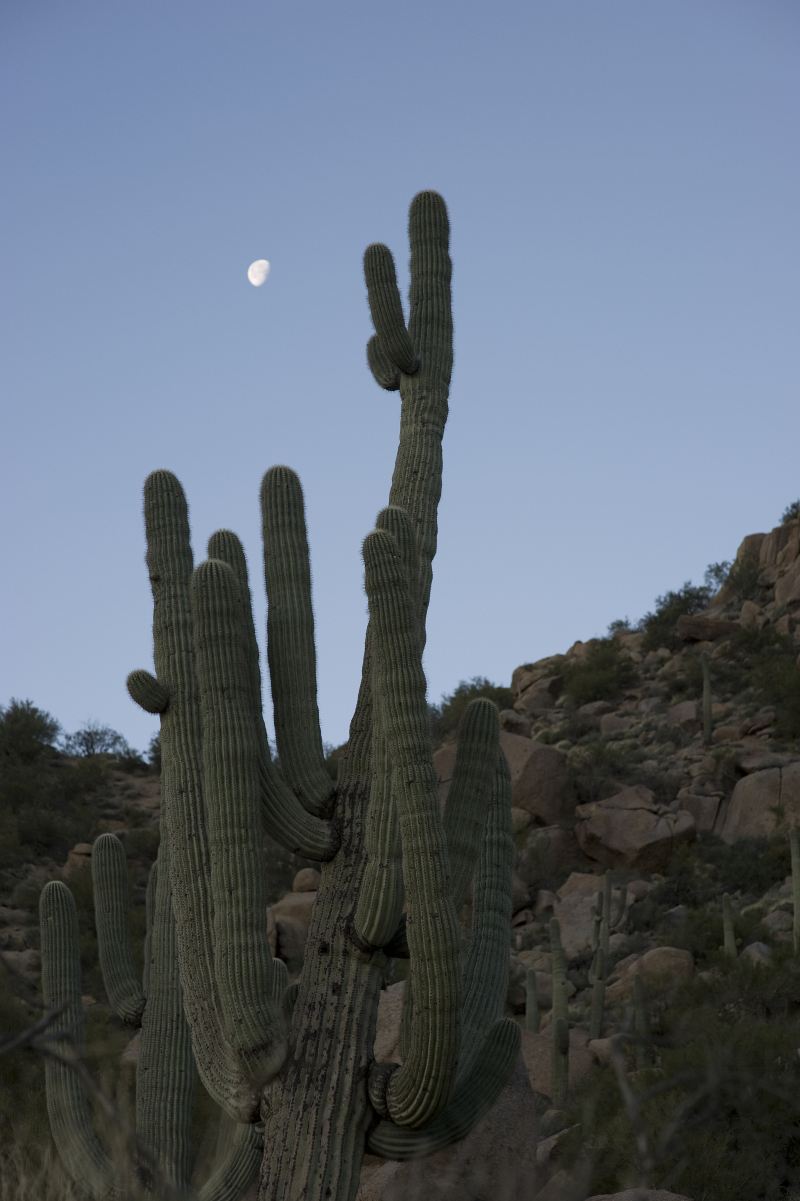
[394,871]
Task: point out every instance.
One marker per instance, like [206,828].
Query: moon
[257,272]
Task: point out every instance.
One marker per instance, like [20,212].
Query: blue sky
[623,184]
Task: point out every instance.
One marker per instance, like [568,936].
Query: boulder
[306,880]
[640,1194]
[573,908]
[537,1051]
[683,714]
[703,808]
[787,585]
[750,812]
[497,1158]
[660,965]
[543,851]
[287,927]
[539,777]
[631,829]
[515,723]
[77,859]
[699,627]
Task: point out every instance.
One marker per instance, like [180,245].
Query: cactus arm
[598,995]
[381,366]
[421,1087]
[381,892]
[252,1021]
[486,966]
[166,1073]
[473,1099]
[465,814]
[287,822]
[290,640]
[169,560]
[417,479]
[147,692]
[81,1152]
[226,546]
[238,1167]
[560,1018]
[110,888]
[387,310]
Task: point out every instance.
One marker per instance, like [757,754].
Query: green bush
[791,512]
[719,1108]
[27,734]
[446,716]
[659,627]
[597,769]
[602,675]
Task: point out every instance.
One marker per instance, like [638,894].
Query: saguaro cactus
[394,873]
[559,1020]
[165,1078]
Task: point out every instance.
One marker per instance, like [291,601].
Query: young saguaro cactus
[165,1077]
[394,872]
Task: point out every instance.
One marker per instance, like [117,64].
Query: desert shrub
[602,675]
[659,627]
[26,732]
[597,768]
[446,716]
[765,660]
[621,625]
[724,1084]
[751,865]
[740,578]
[142,843]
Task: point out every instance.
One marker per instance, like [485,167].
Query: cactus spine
[560,1017]
[303,1061]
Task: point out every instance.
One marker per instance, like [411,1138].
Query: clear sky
[623,180]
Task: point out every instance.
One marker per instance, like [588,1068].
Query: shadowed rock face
[631,829]
[495,1162]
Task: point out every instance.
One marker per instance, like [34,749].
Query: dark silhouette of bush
[446,716]
[659,627]
[602,675]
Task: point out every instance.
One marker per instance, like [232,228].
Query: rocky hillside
[669,756]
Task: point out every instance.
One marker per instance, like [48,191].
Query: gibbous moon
[257,272]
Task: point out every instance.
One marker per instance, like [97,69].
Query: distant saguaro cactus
[394,872]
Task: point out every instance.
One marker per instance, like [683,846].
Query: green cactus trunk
[299,1059]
